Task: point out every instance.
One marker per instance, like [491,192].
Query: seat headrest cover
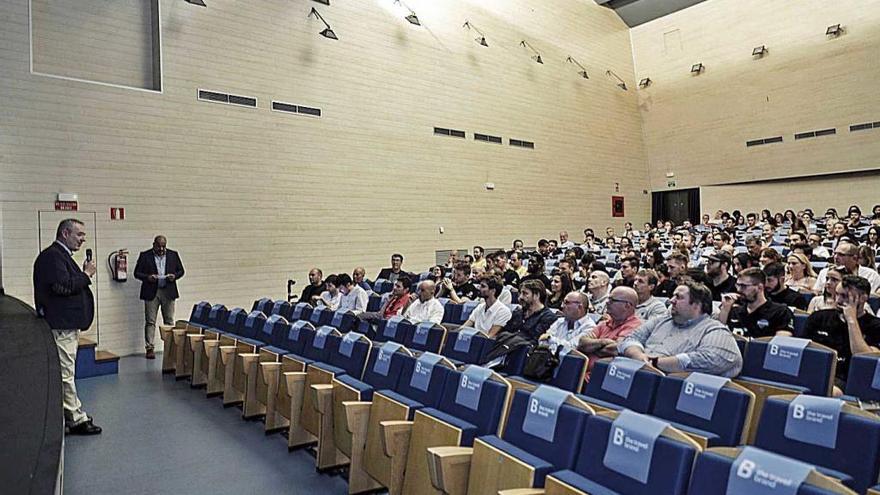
[621,373]
[420,336]
[391,326]
[233,315]
[347,343]
[543,411]
[758,472]
[421,376]
[875,380]
[383,357]
[470,386]
[814,420]
[252,318]
[463,341]
[631,444]
[698,394]
[321,337]
[784,354]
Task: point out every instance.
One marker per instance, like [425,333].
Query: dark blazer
[385,272]
[61,290]
[146,266]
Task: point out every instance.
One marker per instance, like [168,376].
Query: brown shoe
[151,354]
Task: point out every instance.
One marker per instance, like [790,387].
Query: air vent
[811,134]
[522,144]
[217,97]
[487,138]
[862,127]
[442,131]
[759,142]
[280,106]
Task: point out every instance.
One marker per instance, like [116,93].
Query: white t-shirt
[430,310]
[332,302]
[568,338]
[871,275]
[355,301]
[484,319]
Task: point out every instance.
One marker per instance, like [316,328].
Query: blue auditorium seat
[263,305]
[381,286]
[274,331]
[860,380]
[569,375]
[425,336]
[321,316]
[301,311]
[394,329]
[199,314]
[374,303]
[344,321]
[815,374]
[216,316]
[466,310]
[466,345]
[452,313]
[725,426]
[640,397]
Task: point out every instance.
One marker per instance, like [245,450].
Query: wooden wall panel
[252,197]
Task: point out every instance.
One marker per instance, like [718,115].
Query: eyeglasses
[572,302]
[740,285]
[843,254]
[612,300]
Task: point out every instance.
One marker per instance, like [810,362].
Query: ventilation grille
[487,138]
[280,106]
[441,131]
[217,97]
[759,142]
[522,144]
[864,127]
[812,134]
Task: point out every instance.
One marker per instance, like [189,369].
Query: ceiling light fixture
[620,83]
[759,51]
[482,39]
[537,56]
[583,71]
[644,83]
[327,32]
[834,31]
[697,68]
[200,3]
[411,18]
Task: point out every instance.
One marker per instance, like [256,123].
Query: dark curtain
[694,205]
[657,206]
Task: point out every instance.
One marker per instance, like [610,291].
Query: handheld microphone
[88,255]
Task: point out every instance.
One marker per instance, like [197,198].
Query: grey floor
[160,436]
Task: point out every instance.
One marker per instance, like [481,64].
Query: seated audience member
[749,313]
[459,289]
[567,331]
[838,233]
[741,261]
[867,257]
[801,276]
[598,289]
[797,237]
[544,248]
[353,298]
[569,267]
[769,255]
[560,285]
[627,273]
[517,245]
[536,270]
[514,258]
[848,329]
[452,259]
[677,265]
[426,307]
[819,251]
[687,340]
[394,271]
[768,232]
[622,320]
[754,245]
[491,315]
[564,241]
[778,292]
[331,296]
[535,318]
[358,277]
[872,238]
[847,254]
[509,275]
[826,300]
[553,248]
[505,297]
[312,292]
[718,271]
[479,261]
[648,306]
[854,218]
[752,223]
[394,305]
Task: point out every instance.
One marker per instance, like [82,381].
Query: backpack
[506,344]
[541,363]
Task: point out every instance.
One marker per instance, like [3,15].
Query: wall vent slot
[280,106]
[245,101]
[487,138]
[759,142]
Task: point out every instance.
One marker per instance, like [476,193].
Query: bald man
[567,331]
[426,307]
[597,287]
[158,269]
[620,321]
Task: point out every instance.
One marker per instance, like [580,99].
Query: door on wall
[49,221]
[676,206]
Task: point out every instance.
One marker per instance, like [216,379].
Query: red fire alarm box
[617,206]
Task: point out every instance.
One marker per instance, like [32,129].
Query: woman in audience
[867,257]
[767,217]
[789,216]
[437,274]
[797,225]
[826,300]
[779,219]
[872,238]
[801,276]
[560,285]
[769,255]
[653,259]
[741,261]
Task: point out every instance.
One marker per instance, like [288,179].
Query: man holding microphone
[62,296]
[158,269]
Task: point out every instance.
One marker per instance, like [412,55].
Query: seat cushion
[329,368]
[712,439]
[253,342]
[468,430]
[365,390]
[796,388]
[542,467]
[600,403]
[406,401]
[275,350]
[571,478]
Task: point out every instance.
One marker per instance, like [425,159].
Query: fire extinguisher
[118,261]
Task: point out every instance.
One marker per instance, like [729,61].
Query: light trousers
[151,311]
[67,342]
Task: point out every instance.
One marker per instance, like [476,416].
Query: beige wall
[252,197]
[696,126]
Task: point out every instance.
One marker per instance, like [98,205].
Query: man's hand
[544,336]
[447,283]
[637,354]
[153,278]
[170,277]
[90,268]
[728,300]
[850,312]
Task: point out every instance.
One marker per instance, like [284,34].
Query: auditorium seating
[622,383]
[861,383]
[714,411]
[543,432]
[321,316]
[273,334]
[393,329]
[803,427]
[466,345]
[271,380]
[246,342]
[568,375]
[425,337]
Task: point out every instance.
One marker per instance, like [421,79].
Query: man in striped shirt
[687,340]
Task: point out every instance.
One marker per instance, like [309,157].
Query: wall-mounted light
[200,3]
[481,40]
[323,2]
[834,31]
[644,83]
[697,68]
[620,83]
[327,32]
[759,51]
[537,56]
[583,71]
[411,18]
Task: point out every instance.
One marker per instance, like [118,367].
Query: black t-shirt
[665,289]
[790,298]
[729,285]
[309,291]
[765,321]
[467,290]
[511,278]
[828,328]
[534,326]
[543,278]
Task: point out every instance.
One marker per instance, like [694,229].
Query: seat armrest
[522,491]
[323,397]
[296,381]
[395,437]
[449,468]
[226,353]
[357,415]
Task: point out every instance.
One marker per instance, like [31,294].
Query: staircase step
[103,356]
[84,342]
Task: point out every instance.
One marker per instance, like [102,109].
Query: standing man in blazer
[158,269]
[62,296]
